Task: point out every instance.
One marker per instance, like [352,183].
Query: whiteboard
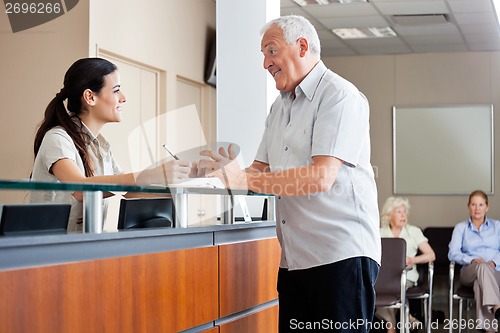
[443,149]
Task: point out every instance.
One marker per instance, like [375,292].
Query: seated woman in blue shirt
[475,244]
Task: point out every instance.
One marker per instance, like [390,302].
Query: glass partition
[94,194]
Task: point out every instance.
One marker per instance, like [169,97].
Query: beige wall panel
[32,69]
[168,34]
[420,79]
[461,78]
[202,208]
[118,133]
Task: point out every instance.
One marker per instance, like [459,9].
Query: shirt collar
[486,223]
[99,139]
[310,83]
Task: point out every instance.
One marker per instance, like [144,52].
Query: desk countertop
[29,251]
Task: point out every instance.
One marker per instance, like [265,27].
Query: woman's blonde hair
[390,204]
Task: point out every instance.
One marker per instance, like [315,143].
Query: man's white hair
[295,27]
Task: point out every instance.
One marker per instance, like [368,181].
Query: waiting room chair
[423,292]
[461,293]
[390,287]
[439,238]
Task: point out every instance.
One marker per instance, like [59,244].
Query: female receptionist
[68,145]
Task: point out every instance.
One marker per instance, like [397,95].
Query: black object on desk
[24,219]
[146,213]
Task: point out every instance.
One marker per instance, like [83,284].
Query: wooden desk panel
[162,292]
[248,274]
[263,321]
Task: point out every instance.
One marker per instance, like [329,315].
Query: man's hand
[224,166]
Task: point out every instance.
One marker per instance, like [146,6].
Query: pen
[173,155]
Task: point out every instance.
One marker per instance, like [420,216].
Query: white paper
[211,182]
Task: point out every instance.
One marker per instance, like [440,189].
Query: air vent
[419,19]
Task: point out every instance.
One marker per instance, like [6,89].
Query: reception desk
[219,278]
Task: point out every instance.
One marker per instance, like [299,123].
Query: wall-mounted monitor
[146,213]
[443,149]
[211,67]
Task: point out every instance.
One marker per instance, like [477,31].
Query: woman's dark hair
[478,193]
[87,73]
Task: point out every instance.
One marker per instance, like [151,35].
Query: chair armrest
[431,268]
[404,283]
[430,274]
[451,274]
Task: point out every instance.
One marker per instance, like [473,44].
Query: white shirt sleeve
[57,145]
[341,126]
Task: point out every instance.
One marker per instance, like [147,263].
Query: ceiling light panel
[350,1]
[325,2]
[287,3]
[361,33]
[295,11]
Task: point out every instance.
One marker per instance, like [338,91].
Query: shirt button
[286,148]
[283,221]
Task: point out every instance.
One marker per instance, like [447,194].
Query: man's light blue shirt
[468,243]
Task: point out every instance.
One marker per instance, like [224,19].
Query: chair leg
[426,317]
[406,324]
[467,311]
[460,308]
[450,312]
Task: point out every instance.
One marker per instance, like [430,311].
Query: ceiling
[462,25]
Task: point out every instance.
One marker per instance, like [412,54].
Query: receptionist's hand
[165,172]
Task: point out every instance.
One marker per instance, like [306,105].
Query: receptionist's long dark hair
[87,73]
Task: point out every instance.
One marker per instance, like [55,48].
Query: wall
[32,69]
[242,96]
[173,36]
[422,79]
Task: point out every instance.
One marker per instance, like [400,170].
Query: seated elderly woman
[475,244]
[394,224]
